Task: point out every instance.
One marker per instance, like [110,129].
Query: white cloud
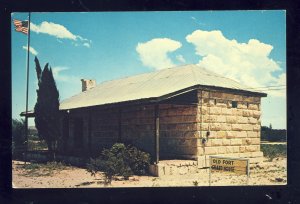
[249,63]
[154,52]
[53,29]
[86,45]
[62,77]
[58,31]
[31,50]
[180,58]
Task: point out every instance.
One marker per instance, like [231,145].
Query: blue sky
[248,46]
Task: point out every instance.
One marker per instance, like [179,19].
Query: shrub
[18,138]
[120,160]
[139,161]
[272,151]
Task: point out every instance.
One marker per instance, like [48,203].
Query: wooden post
[209,177]
[156,122]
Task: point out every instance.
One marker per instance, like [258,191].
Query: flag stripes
[21,26]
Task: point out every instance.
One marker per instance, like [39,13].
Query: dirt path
[266,173]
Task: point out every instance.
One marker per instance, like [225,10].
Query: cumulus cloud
[53,29]
[31,50]
[63,77]
[249,63]
[58,31]
[154,53]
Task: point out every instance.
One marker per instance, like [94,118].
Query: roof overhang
[153,100]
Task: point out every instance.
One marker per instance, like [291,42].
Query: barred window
[234,104]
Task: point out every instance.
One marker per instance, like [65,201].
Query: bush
[18,138]
[275,150]
[120,160]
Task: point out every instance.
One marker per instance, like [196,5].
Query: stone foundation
[173,168]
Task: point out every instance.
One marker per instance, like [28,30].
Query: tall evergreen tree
[47,107]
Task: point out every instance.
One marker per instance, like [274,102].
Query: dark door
[65,132]
[78,132]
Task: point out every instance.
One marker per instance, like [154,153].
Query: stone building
[185,112]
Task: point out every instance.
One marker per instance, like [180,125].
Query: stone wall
[233,131]
[178,127]
[178,131]
[104,128]
[135,125]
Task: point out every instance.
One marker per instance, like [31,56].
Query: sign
[228,165]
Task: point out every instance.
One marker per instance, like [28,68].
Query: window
[234,104]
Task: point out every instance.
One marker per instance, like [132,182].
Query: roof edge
[173,94]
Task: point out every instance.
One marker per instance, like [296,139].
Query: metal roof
[151,85]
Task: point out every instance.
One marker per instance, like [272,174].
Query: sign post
[228,165]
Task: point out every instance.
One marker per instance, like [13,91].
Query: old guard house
[181,113]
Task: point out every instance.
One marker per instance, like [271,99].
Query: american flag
[21,26]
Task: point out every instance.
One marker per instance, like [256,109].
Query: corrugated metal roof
[150,85]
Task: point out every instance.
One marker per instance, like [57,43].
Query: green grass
[37,169]
[273,150]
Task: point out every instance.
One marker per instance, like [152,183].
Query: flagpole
[27,89]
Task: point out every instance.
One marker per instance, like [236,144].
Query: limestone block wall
[135,125]
[104,128]
[178,128]
[100,125]
[178,131]
[233,130]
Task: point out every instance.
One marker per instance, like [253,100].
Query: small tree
[18,138]
[47,108]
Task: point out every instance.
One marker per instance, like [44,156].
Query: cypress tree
[47,108]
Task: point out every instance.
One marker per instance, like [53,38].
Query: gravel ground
[264,173]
